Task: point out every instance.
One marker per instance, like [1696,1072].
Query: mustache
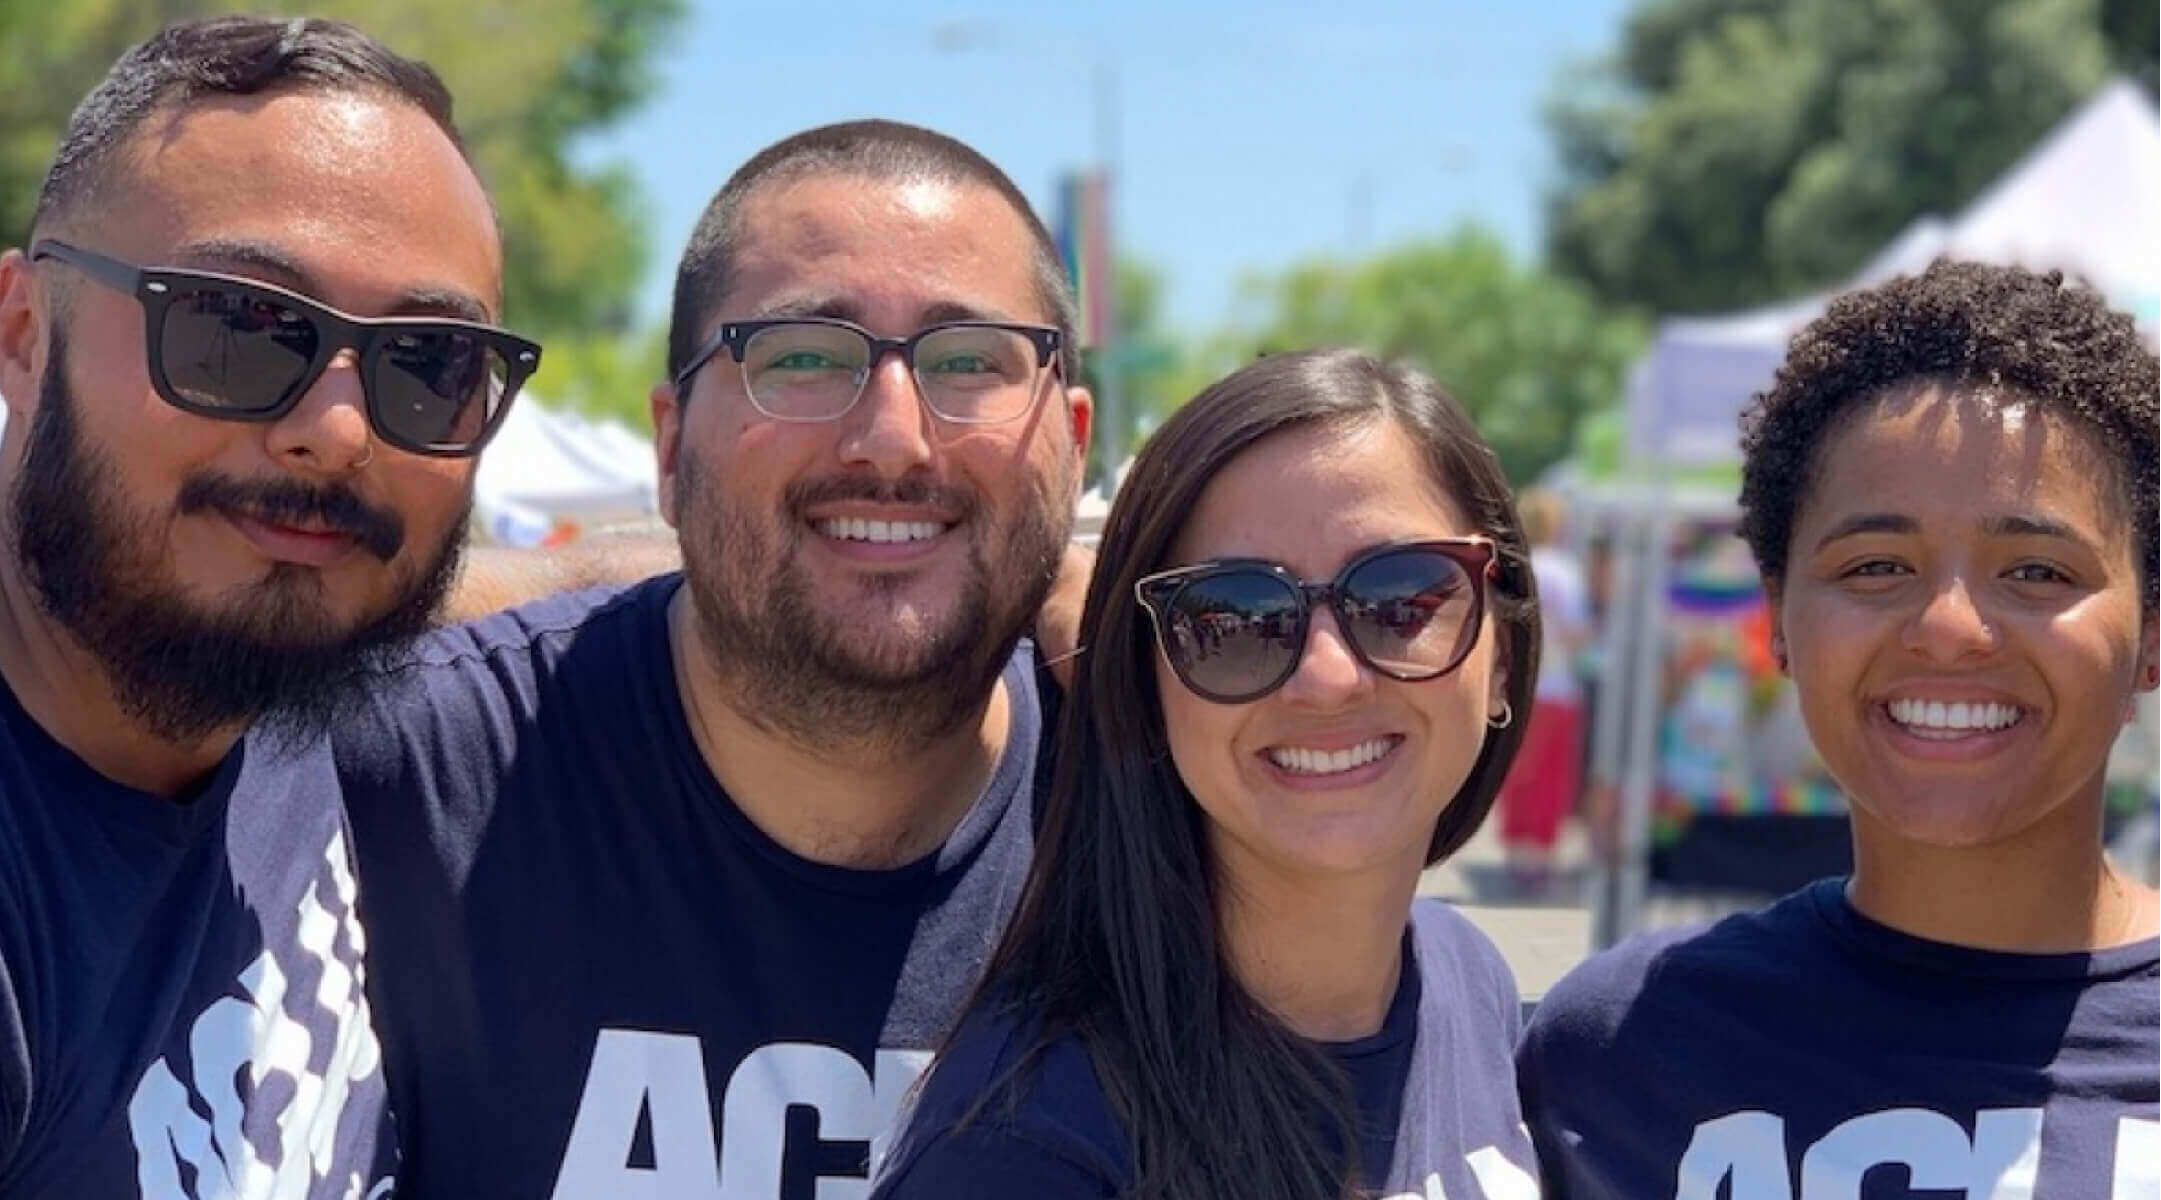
[379,531]
[912,489]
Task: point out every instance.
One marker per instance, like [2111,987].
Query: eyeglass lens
[813,371]
[1237,634]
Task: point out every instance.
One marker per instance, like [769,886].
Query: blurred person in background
[1543,787]
[1950,492]
[1310,637]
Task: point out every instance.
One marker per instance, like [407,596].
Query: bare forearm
[496,577]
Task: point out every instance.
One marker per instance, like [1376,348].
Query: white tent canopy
[2084,200]
[549,474]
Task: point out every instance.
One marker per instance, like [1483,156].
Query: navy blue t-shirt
[595,975]
[1806,1052]
[181,1006]
[1056,1139]
[1436,1072]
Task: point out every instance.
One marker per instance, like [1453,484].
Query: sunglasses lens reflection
[438,388]
[1234,634]
[233,351]
[1409,611]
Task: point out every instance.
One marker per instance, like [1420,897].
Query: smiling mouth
[1942,721]
[856,529]
[1299,760]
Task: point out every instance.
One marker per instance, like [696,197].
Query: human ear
[1772,594]
[666,406]
[22,337]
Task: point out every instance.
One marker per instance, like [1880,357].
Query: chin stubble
[787,670]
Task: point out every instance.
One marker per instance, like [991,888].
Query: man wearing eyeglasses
[717,857]
[246,361]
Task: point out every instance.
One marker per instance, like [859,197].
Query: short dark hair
[225,56]
[1116,936]
[874,150]
[1969,325]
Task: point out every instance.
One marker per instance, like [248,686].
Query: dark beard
[789,673]
[181,673]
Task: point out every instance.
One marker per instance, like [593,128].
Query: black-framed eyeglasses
[1235,629]
[236,349]
[815,368]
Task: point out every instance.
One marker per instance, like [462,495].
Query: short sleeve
[15,1070]
[983,1162]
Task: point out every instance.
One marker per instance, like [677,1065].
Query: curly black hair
[1971,325]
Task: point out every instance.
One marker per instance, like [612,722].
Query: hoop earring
[1508,715]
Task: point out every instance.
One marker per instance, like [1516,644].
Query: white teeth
[1959,715]
[856,529]
[1298,760]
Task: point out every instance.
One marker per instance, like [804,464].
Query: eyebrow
[2029,526]
[237,256]
[1860,523]
[2016,525]
[843,309]
[810,306]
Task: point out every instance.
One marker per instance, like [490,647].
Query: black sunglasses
[238,350]
[1234,629]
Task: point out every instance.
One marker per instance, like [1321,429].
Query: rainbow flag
[1084,238]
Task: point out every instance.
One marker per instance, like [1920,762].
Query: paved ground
[1543,937]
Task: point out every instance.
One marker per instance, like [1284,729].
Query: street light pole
[1111,421]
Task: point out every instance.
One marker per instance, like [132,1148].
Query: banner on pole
[1084,239]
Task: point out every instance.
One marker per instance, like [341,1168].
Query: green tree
[1737,151]
[1148,360]
[1529,354]
[605,375]
[530,77]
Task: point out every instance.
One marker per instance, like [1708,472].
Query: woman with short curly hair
[1950,491]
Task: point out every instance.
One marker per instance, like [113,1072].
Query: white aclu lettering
[1746,1151]
[254,1034]
[1497,1177]
[662,1075]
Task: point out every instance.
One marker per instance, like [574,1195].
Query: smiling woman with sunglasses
[1310,628]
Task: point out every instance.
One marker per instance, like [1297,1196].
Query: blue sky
[1248,135]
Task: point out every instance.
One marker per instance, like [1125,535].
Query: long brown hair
[1116,939]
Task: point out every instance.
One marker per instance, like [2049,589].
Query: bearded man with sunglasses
[720,855]
[246,362]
